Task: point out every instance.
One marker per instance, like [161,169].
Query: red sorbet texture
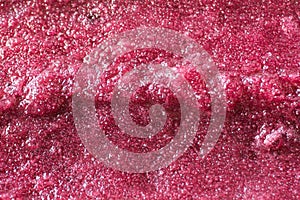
[255,45]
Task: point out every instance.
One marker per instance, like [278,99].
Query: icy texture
[255,46]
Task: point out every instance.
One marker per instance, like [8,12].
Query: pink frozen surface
[255,46]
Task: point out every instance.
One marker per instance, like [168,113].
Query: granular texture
[255,46]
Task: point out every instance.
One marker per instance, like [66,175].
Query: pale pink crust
[255,46]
